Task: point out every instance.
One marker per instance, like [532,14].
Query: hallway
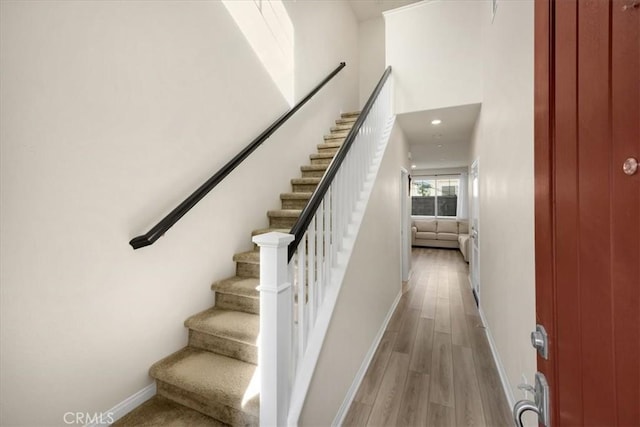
[433,366]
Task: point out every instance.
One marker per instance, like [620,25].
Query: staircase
[211,381]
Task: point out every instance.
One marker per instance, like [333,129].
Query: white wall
[113,112]
[503,142]
[434,49]
[372,283]
[371,46]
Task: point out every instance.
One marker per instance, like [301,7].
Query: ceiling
[446,145]
[368,9]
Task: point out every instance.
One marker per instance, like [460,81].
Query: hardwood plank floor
[441,371]
[468,404]
[433,366]
[387,405]
[373,378]
[422,348]
[416,391]
[358,415]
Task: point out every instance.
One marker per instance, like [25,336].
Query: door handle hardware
[630,166]
[540,341]
[540,406]
[527,387]
[633,5]
[520,408]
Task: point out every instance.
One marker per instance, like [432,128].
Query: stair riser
[226,347]
[303,188]
[207,406]
[245,269]
[332,138]
[329,150]
[321,161]
[313,174]
[341,128]
[349,121]
[294,203]
[238,303]
[281,222]
[340,133]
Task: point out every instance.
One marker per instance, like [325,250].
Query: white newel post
[276,327]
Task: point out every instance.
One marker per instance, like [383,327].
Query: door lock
[540,341]
[540,406]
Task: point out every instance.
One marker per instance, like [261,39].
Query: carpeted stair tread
[321,156]
[305,181]
[160,411]
[296,200]
[328,145]
[242,286]
[284,213]
[211,376]
[249,257]
[296,196]
[230,324]
[350,114]
[313,168]
[339,128]
[348,121]
[333,138]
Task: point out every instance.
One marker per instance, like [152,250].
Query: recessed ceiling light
[413,166]
[436,121]
[439,145]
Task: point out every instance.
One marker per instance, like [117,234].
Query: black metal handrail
[301,225]
[168,221]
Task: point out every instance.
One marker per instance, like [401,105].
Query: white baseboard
[496,358]
[123,408]
[355,385]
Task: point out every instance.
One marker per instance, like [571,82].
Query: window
[435,196]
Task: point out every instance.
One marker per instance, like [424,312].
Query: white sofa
[441,233]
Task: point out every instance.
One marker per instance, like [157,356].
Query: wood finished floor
[433,366]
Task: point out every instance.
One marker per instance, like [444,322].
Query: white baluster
[320,252]
[311,282]
[334,224]
[295,359]
[341,207]
[302,318]
[327,239]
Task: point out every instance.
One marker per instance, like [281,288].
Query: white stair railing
[301,273]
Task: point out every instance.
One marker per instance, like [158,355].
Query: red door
[587,123]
